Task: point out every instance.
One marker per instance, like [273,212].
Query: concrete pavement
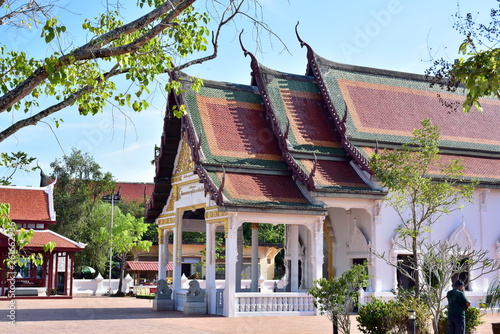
[130,315]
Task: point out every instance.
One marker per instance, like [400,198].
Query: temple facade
[294,150]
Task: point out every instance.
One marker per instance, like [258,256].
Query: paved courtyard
[94,315]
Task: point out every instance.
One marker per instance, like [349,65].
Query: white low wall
[99,286]
[475,298]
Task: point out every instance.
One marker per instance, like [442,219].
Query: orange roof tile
[26,204]
[147,265]
[131,191]
[41,238]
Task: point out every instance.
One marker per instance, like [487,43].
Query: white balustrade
[276,303]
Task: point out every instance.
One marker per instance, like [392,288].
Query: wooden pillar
[3,273]
[66,264]
[72,269]
[44,269]
[51,273]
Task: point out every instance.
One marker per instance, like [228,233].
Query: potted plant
[493,301]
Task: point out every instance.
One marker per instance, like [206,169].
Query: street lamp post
[111,199]
[412,322]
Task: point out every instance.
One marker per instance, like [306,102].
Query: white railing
[299,303]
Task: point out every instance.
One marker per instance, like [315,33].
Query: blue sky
[389,34]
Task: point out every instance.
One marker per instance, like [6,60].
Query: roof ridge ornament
[219,199]
[254,63]
[245,51]
[302,43]
[313,173]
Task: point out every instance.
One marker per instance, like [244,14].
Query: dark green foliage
[379,317]
[79,188]
[473,318]
[376,317]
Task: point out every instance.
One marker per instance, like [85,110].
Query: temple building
[33,208]
[294,150]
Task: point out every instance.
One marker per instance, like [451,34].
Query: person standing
[457,305]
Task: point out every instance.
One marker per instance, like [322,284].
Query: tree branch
[56,107]
[87,52]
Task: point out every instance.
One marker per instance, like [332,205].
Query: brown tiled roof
[481,168]
[131,191]
[278,191]
[26,204]
[146,265]
[318,131]
[232,127]
[300,109]
[395,111]
[41,238]
[335,174]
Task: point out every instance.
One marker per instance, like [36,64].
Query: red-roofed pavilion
[32,208]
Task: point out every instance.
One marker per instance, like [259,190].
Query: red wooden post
[51,274]
[66,263]
[44,269]
[3,274]
[72,268]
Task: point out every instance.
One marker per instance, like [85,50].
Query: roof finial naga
[219,198]
[254,63]
[302,43]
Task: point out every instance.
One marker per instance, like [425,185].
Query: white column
[166,238]
[317,250]
[255,258]
[231,259]
[162,270]
[239,260]
[177,255]
[210,269]
[294,252]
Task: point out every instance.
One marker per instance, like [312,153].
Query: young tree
[140,51]
[126,234]
[422,187]
[477,68]
[337,297]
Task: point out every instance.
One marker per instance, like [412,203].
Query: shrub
[406,302]
[376,317]
[379,317]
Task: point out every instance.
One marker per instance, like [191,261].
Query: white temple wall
[481,229]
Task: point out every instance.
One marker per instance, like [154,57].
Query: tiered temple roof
[285,139]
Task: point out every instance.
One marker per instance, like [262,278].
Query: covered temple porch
[254,295]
